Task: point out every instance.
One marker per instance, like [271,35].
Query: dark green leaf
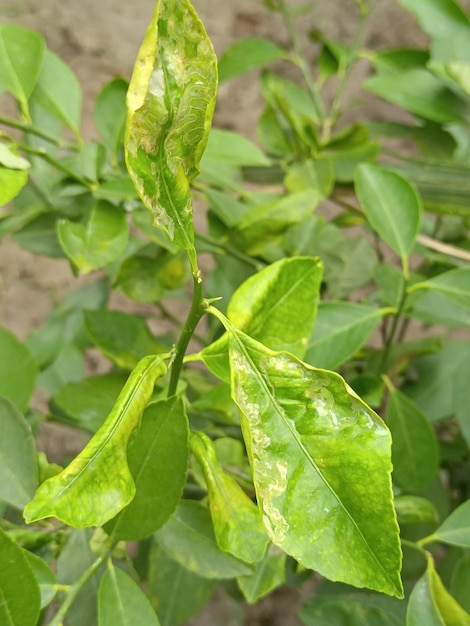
[170,104]
[97,484]
[158,459]
[98,242]
[19,591]
[87,403]
[121,601]
[459,582]
[21,57]
[341,329]
[110,113]
[321,464]
[175,592]
[455,530]
[39,236]
[415,454]
[58,92]
[236,519]
[415,510]
[138,278]
[269,574]
[247,55]
[18,370]
[188,537]
[332,611]
[123,338]
[276,306]
[391,205]
[45,578]
[431,604]
[18,466]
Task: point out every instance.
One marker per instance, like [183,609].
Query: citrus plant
[297,423]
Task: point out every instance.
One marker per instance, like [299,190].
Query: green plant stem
[236,254]
[197,310]
[299,59]
[414,546]
[335,111]
[41,153]
[33,130]
[393,330]
[75,589]
[177,322]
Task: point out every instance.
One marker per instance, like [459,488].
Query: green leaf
[341,329]
[415,510]
[68,366]
[276,306]
[11,183]
[87,403]
[175,592]
[431,604]
[18,466]
[459,582]
[122,602]
[11,160]
[415,455]
[391,205]
[247,55]
[321,466]
[58,92]
[98,242]
[110,113]
[453,285]
[158,459]
[455,530]
[237,523]
[138,278]
[227,146]
[333,611]
[170,104]
[18,370]
[269,574]
[439,18]
[39,236]
[17,584]
[403,78]
[98,484]
[21,57]
[45,578]
[122,338]
[188,537]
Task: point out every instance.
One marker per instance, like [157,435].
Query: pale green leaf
[45,578]
[225,145]
[439,18]
[247,55]
[455,530]
[58,92]
[431,604]
[453,285]
[236,519]
[11,183]
[18,370]
[97,242]
[158,459]
[391,205]
[170,104]
[110,113]
[175,592]
[321,462]
[11,160]
[459,582]
[188,537]
[122,338]
[276,306]
[341,329]
[269,574]
[122,602]
[415,454]
[17,584]
[21,57]
[97,484]
[18,466]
